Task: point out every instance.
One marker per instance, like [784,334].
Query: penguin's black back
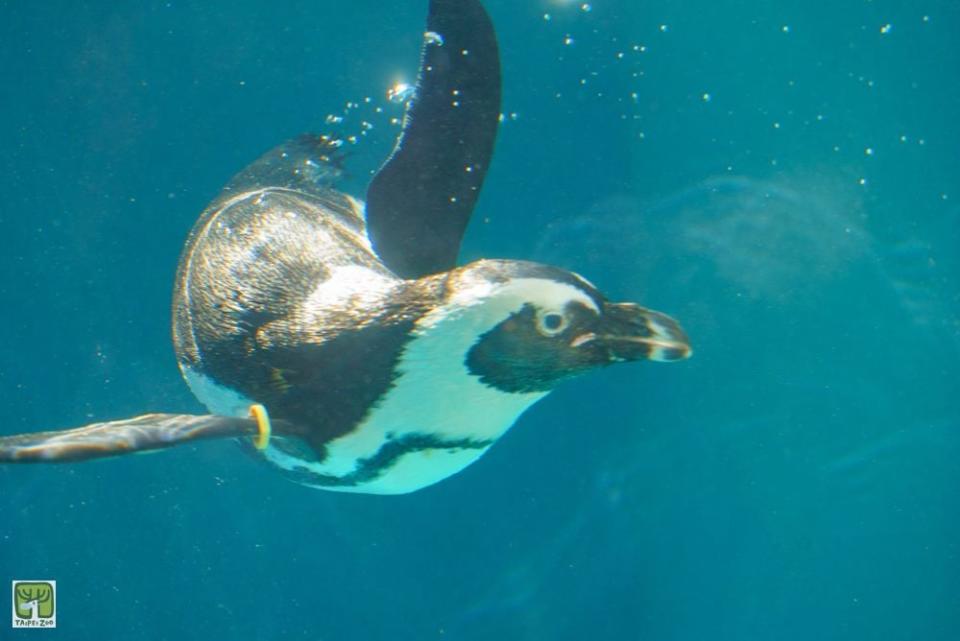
[242,319]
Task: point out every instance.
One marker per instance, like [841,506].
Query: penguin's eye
[551,323]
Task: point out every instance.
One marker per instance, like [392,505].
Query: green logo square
[34,600]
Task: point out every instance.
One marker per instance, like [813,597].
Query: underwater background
[780,177]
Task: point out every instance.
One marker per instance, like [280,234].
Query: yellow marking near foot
[259,413]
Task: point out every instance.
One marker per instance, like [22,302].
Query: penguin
[338,339]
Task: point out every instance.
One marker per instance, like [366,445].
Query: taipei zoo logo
[34,604]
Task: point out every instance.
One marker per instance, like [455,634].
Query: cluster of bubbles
[593,54]
[603,65]
[360,117]
[356,119]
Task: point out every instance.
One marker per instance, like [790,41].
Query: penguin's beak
[628,332]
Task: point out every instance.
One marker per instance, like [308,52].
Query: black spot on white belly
[380,463]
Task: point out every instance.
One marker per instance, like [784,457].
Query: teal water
[784,182]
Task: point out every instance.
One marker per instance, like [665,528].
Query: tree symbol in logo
[34,600]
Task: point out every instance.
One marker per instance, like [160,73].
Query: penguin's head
[526,326]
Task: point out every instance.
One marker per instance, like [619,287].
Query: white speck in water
[586,8]
[862,182]
[885,29]
[664,28]
[433,38]
[568,40]
[785,28]
[547,17]
[868,151]
[706,97]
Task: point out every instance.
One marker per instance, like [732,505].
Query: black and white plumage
[384,366]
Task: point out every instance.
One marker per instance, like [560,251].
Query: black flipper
[419,203]
[138,434]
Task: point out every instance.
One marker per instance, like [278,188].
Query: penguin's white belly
[457,413]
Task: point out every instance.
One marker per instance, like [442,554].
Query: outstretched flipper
[138,434]
[419,203]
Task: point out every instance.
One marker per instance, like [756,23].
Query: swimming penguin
[339,340]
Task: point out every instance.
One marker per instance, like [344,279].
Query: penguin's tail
[132,435]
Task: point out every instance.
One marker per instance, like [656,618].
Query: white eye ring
[552,323]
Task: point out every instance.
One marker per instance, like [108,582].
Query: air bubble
[400,93]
